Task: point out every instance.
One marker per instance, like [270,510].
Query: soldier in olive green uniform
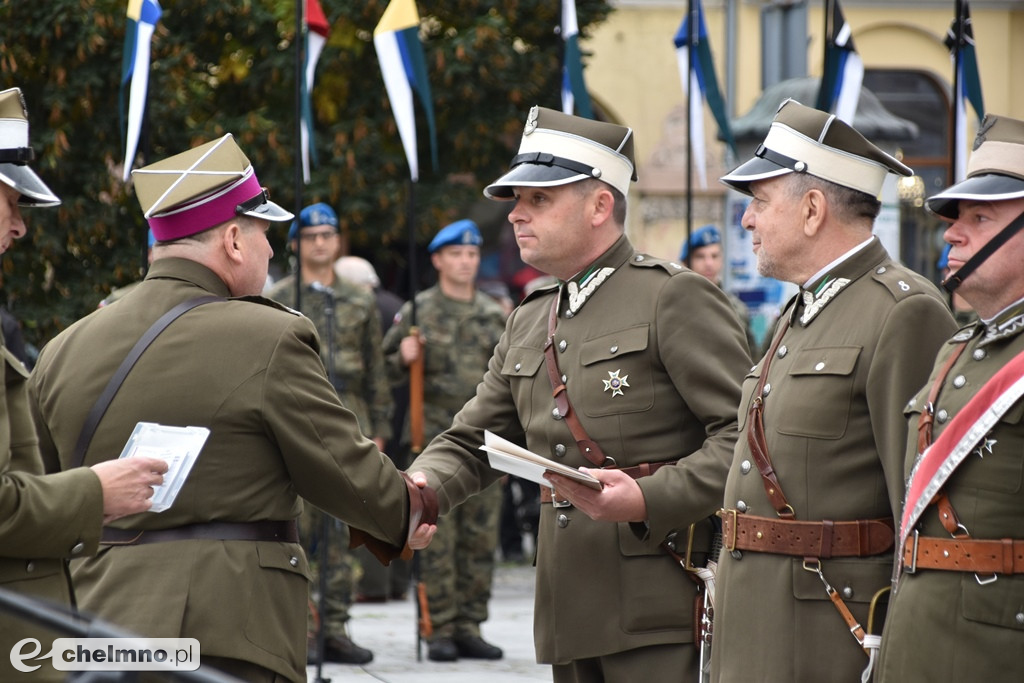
[957,610]
[816,479]
[45,518]
[458,329]
[703,254]
[650,358]
[358,373]
[223,564]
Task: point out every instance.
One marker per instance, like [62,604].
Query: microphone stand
[325,519]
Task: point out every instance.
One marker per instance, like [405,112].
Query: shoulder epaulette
[900,281]
[648,261]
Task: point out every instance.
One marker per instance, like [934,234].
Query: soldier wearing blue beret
[459,232]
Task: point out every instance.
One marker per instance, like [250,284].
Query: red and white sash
[959,439]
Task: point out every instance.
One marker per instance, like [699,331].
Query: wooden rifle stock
[416,398]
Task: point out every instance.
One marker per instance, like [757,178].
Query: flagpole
[692,55]
[300,74]
[955,119]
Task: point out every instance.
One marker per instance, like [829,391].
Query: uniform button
[564,379]
[670,541]
[959,381]
[783,351]
[753,367]
[562,345]
[294,562]
[30,566]
[556,415]
[942,415]
[614,349]
[569,314]
[563,521]
[741,506]
[847,592]
[1019,618]
[745,466]
[736,555]
[519,366]
[979,354]
[819,366]
[559,450]
[639,258]
[881,269]
[77,549]
[767,389]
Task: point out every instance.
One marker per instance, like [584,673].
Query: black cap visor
[989,187]
[34,191]
[757,168]
[531,175]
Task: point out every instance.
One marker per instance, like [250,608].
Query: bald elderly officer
[817,477]
[44,519]
[629,362]
[223,564]
[957,613]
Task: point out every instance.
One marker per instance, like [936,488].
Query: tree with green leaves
[220,67]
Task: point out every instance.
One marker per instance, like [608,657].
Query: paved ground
[389,630]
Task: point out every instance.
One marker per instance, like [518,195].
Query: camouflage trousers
[458,565]
[342,571]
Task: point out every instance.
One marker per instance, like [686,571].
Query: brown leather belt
[824,539]
[644,469]
[280,531]
[1004,556]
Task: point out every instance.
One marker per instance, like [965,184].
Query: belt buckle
[557,504]
[729,543]
[912,569]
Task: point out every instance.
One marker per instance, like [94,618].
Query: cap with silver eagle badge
[558,149]
[193,191]
[15,153]
[805,140]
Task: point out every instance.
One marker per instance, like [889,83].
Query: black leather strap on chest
[92,420]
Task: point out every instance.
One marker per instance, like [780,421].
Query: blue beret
[701,237]
[316,214]
[943,261]
[459,232]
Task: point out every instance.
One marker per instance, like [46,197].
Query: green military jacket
[460,338]
[653,356]
[250,371]
[42,521]
[835,434]
[947,626]
[359,370]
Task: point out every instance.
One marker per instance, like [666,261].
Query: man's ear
[604,205]
[231,242]
[813,211]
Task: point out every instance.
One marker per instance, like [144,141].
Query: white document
[177,446]
[508,457]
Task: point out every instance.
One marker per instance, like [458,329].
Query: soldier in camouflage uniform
[359,376]
[459,328]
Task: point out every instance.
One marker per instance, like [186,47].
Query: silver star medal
[987,446]
[615,384]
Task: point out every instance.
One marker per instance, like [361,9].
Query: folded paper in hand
[177,446]
[508,457]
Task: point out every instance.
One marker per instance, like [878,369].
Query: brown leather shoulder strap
[756,438]
[927,419]
[589,448]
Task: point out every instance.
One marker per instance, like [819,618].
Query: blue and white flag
[960,41]
[697,72]
[142,17]
[575,99]
[404,68]
[844,70]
